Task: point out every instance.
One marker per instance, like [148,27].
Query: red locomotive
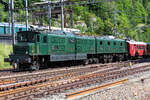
[136,49]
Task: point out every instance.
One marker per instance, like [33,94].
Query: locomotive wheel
[91,61]
[105,60]
[96,60]
[35,66]
[117,58]
[121,57]
[86,62]
[109,60]
[18,67]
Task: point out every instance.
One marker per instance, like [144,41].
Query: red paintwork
[136,48]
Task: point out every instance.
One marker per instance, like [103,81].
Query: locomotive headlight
[26,52]
[29,60]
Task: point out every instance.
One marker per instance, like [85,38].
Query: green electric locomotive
[36,49]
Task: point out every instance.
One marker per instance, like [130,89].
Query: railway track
[94,89]
[54,84]
[10,72]
[21,77]
[22,80]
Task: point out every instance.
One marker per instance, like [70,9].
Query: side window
[101,43]
[45,39]
[108,43]
[121,44]
[38,38]
[114,43]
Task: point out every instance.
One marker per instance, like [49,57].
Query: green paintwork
[41,47]
[61,47]
[85,44]
[110,46]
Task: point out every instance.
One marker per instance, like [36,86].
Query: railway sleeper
[117,77]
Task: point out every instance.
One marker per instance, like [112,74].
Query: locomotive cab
[26,43]
[23,50]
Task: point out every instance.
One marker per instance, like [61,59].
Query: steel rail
[60,74]
[59,86]
[94,89]
[16,84]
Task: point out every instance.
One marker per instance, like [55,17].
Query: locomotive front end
[22,51]
[20,54]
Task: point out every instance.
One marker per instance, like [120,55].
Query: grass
[5,50]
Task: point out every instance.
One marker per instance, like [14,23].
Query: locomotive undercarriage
[23,62]
[105,58]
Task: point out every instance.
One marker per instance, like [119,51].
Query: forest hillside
[132,18]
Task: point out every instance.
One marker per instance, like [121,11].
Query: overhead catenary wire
[69,3]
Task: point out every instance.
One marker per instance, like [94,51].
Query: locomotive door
[41,45]
[70,48]
[132,49]
[37,46]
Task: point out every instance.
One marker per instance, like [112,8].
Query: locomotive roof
[70,34]
[110,39]
[62,33]
[134,42]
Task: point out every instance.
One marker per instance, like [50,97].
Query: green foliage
[129,15]
[3,15]
[5,50]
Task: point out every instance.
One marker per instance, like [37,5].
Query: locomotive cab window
[45,39]
[38,38]
[26,37]
[114,43]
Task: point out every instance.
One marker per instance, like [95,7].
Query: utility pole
[12,21]
[92,25]
[26,9]
[62,15]
[9,14]
[49,14]
[114,23]
[71,18]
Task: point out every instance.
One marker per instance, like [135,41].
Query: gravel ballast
[137,88]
